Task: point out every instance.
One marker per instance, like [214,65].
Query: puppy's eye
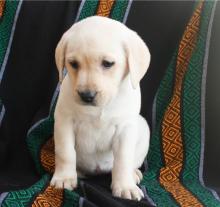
[75,64]
[107,64]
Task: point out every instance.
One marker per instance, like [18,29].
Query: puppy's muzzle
[87,96]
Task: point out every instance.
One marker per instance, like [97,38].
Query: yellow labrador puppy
[98,128]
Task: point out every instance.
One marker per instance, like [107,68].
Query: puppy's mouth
[87,104]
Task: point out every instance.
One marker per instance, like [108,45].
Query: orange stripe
[51,197]
[2,6]
[47,156]
[171,125]
[104,7]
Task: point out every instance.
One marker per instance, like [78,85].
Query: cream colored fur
[109,135]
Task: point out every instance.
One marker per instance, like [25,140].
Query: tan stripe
[104,7]
[171,125]
[47,156]
[51,197]
[2,6]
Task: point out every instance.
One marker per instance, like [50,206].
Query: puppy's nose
[87,96]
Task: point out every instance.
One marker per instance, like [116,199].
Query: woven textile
[173,178]
[175,158]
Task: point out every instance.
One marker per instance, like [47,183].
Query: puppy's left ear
[60,55]
[138,57]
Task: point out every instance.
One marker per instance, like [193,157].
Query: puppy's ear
[60,56]
[138,57]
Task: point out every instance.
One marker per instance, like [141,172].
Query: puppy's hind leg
[123,180]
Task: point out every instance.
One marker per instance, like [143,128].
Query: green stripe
[191,101]
[37,137]
[155,161]
[89,9]
[117,13]
[23,198]
[6,24]
[119,9]
[71,199]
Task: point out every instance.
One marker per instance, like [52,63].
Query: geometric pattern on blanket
[171,179]
[7,14]
[171,124]
[175,158]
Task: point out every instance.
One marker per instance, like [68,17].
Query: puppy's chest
[93,136]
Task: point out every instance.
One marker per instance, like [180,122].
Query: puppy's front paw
[68,182]
[132,192]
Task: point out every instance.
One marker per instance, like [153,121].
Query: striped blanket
[174,174]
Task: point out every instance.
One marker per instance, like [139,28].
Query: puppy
[98,128]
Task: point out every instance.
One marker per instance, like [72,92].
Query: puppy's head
[98,54]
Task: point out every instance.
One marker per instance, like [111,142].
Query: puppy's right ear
[60,56]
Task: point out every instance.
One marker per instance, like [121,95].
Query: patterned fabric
[118,7]
[6,24]
[104,8]
[47,156]
[23,197]
[173,177]
[51,196]
[171,124]
[89,8]
[175,157]
[9,10]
